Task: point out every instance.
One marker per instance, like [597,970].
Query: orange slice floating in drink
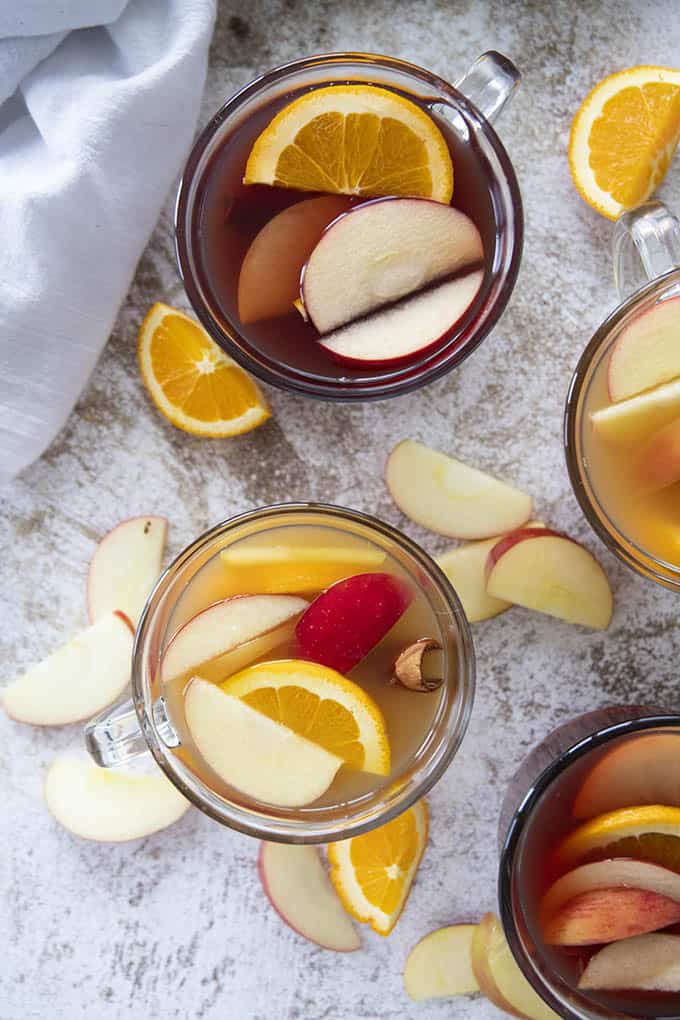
[625,832]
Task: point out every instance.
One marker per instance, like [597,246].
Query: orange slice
[192,381]
[280,569]
[642,825]
[373,873]
[353,140]
[320,704]
[623,137]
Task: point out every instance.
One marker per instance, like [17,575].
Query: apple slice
[296,883]
[649,963]
[293,568]
[381,251]
[249,751]
[441,964]
[465,567]
[407,328]
[125,567]
[78,680]
[647,352]
[606,915]
[551,573]
[499,976]
[110,806]
[642,770]
[269,281]
[659,461]
[343,624]
[221,629]
[450,497]
[610,874]
[638,417]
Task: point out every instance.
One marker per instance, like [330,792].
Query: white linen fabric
[98,106]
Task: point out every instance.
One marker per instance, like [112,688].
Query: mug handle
[115,736]
[490,83]
[646,245]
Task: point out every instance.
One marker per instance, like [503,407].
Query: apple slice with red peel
[645,770]
[269,281]
[450,497]
[647,352]
[110,806]
[343,624]
[646,963]
[610,874]
[465,567]
[125,567]
[296,883]
[659,460]
[543,570]
[499,976]
[409,327]
[440,965]
[254,754]
[78,680]
[636,418]
[379,252]
[225,627]
[606,915]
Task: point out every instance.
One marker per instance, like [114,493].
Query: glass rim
[625,549]
[278,373]
[388,802]
[572,1004]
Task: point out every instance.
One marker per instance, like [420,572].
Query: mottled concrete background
[176,925]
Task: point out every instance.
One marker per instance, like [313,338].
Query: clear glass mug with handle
[145,723]
[646,249]
[467,110]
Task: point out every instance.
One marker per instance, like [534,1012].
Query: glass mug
[535,811]
[647,271]
[468,110]
[144,724]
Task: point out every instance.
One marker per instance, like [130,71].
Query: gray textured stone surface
[176,925]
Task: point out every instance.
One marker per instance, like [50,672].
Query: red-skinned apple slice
[612,873]
[110,806]
[77,680]
[343,624]
[381,251]
[659,460]
[649,963]
[450,497]
[635,419]
[465,567]
[269,282]
[551,573]
[125,567]
[440,964]
[499,976]
[645,770]
[296,883]
[407,328]
[607,915]
[229,625]
[647,353]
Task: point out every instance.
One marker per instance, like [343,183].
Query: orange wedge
[192,381]
[317,703]
[353,140]
[373,873]
[623,137]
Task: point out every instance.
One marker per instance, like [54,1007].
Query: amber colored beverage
[408,715]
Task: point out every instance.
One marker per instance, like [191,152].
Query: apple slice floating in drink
[297,886]
[659,460]
[610,874]
[381,251]
[450,497]
[125,567]
[343,624]
[280,569]
[647,353]
[641,771]
[607,915]
[638,417]
[649,963]
[269,282]
[440,964]
[551,573]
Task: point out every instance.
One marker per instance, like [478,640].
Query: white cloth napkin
[98,106]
